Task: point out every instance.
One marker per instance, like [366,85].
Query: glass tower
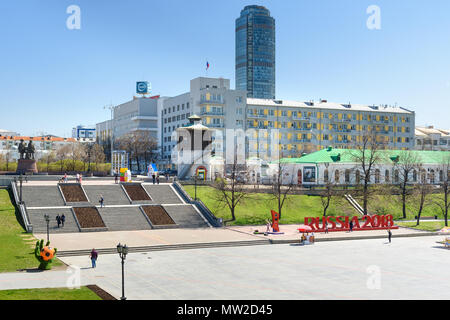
[255,52]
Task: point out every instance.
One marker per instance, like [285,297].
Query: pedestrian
[65,177]
[154,178]
[326,226]
[63,219]
[78,178]
[101,201]
[116,177]
[268,225]
[389,235]
[157,178]
[58,220]
[351,226]
[93,256]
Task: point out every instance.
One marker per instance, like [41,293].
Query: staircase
[354,204]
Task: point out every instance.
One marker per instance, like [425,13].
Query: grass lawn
[17,246]
[49,294]
[256,209]
[392,204]
[424,225]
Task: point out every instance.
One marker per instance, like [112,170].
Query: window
[396,176]
[325,175]
[187,105]
[386,176]
[336,176]
[357,177]
[377,176]
[347,176]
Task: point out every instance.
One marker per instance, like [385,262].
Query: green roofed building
[340,166]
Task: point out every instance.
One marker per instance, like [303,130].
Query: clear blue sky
[53,78]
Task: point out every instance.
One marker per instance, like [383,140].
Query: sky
[53,78]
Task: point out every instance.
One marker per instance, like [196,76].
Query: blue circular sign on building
[142,87]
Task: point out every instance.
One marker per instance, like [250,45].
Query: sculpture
[44,255]
[22,149]
[30,151]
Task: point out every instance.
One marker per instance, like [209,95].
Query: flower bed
[136,192]
[158,215]
[89,217]
[73,193]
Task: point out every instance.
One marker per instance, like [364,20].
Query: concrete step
[42,196]
[112,194]
[186,216]
[122,219]
[40,225]
[162,194]
[183,246]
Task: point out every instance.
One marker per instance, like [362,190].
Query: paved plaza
[408,268]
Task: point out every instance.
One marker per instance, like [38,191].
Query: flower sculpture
[44,255]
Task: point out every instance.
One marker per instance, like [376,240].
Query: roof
[48,138]
[330,155]
[326,105]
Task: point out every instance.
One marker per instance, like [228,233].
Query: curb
[187,246]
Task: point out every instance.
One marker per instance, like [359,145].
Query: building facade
[305,127]
[84,133]
[255,52]
[43,145]
[429,138]
[338,167]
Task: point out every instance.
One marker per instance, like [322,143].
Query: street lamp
[20,194]
[47,219]
[123,251]
[195,183]
[111,107]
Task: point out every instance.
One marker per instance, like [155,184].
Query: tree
[406,162]
[420,199]
[327,195]
[282,184]
[48,158]
[231,190]
[62,153]
[98,155]
[444,182]
[367,155]
[138,144]
[8,155]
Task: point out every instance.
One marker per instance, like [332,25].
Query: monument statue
[22,149]
[30,150]
[26,163]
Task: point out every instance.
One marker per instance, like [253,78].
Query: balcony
[211,101]
[215,125]
[257,116]
[212,113]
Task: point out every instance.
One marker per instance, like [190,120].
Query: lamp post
[20,185]
[47,219]
[195,183]
[123,251]
[111,107]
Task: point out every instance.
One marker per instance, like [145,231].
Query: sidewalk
[171,237]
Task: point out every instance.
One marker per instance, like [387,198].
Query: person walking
[78,178]
[58,220]
[389,235]
[65,177]
[93,256]
[154,178]
[101,201]
[351,226]
[63,219]
[326,227]
[116,177]
[157,178]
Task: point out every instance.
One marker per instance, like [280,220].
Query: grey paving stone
[186,216]
[124,218]
[112,194]
[42,196]
[162,194]
[40,226]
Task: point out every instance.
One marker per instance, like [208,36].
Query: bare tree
[406,163]
[7,155]
[327,195]
[367,155]
[98,155]
[62,153]
[444,182]
[421,198]
[138,144]
[231,190]
[282,184]
[48,158]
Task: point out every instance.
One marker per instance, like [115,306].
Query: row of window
[168,110]
[424,176]
[177,118]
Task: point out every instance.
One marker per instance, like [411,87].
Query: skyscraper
[255,52]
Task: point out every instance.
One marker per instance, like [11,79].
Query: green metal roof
[331,155]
